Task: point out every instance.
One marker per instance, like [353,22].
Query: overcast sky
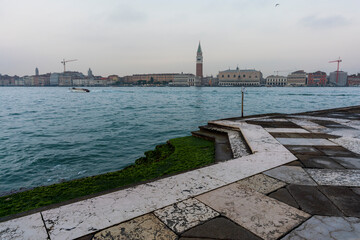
[159,36]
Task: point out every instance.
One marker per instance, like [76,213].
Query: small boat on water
[79,89]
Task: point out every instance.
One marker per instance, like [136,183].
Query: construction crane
[65,61]
[337,71]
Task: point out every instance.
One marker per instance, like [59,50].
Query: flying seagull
[277,4]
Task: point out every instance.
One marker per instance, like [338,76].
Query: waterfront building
[354,80]
[237,77]
[19,81]
[54,79]
[209,81]
[36,72]
[276,80]
[342,78]
[297,78]
[317,79]
[150,78]
[199,62]
[185,80]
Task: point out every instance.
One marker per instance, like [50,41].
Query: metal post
[242,101]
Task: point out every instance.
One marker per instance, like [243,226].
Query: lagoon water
[48,135]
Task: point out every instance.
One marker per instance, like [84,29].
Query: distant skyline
[159,36]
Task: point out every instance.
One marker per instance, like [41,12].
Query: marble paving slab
[286,130]
[324,228]
[257,138]
[28,228]
[264,216]
[184,215]
[335,177]
[348,162]
[84,217]
[141,228]
[81,218]
[270,119]
[306,141]
[308,125]
[352,144]
[262,183]
[291,174]
[237,169]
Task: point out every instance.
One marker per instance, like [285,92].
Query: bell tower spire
[199,62]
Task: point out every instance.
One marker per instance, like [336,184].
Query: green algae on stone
[177,155]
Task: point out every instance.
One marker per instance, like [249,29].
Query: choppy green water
[50,134]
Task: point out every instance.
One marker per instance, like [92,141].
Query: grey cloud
[324,22]
[127,14]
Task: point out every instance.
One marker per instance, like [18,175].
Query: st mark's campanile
[199,62]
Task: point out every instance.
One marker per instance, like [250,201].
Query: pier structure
[278,176]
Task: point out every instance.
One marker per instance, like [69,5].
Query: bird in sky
[277,4]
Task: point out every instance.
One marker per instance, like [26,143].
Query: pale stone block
[324,228]
[264,216]
[146,227]
[184,215]
[28,228]
[335,177]
[306,141]
[262,183]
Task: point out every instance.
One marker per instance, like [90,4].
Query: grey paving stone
[335,177]
[184,215]
[262,183]
[319,162]
[305,141]
[219,228]
[291,174]
[324,228]
[304,150]
[348,162]
[312,201]
[284,196]
[336,151]
[141,228]
[344,198]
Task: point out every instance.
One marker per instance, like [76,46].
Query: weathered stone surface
[335,151]
[344,198]
[219,228]
[305,141]
[324,228]
[308,125]
[291,174]
[262,183]
[319,162]
[144,227]
[264,216]
[352,144]
[348,162]
[28,227]
[286,130]
[304,150]
[184,215]
[312,201]
[332,177]
[284,196]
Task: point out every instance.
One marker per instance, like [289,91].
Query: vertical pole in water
[242,101]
